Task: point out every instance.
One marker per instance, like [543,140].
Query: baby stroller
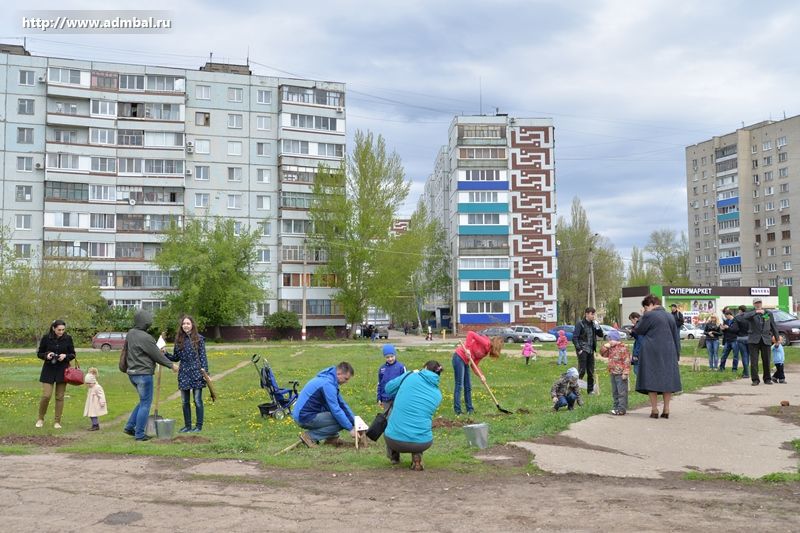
[281,400]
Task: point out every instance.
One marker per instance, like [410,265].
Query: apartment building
[740,191]
[493,189]
[99,159]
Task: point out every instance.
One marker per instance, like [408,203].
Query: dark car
[108,340]
[568,329]
[507,334]
[788,325]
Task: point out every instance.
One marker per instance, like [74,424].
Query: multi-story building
[740,192]
[493,189]
[99,159]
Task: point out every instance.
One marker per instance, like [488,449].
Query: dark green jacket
[143,353]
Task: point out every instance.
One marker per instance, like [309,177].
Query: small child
[637,343]
[562,344]
[95,399]
[619,367]
[528,351]
[565,390]
[387,372]
[778,358]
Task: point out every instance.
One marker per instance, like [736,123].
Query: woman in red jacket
[478,346]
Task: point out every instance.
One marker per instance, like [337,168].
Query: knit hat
[572,373]
[388,349]
[613,335]
[89,378]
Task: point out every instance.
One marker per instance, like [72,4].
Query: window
[482,197]
[64,75]
[25,106]
[483,262]
[263,202]
[263,122]
[202,119]
[56,190]
[484,307]
[780,142]
[484,175]
[202,92]
[234,201]
[263,255]
[766,145]
[22,222]
[755,163]
[26,77]
[768,191]
[165,83]
[105,80]
[101,221]
[482,153]
[130,137]
[66,108]
[201,199]
[163,166]
[313,96]
[483,218]
[104,164]
[103,193]
[202,146]
[266,228]
[784,203]
[294,147]
[330,150]
[484,285]
[104,108]
[102,136]
[296,200]
[168,139]
[24,193]
[295,227]
[784,235]
[130,165]
[787,265]
[22,250]
[234,148]
[237,228]
[263,175]
[235,94]
[65,136]
[769,206]
[263,149]
[263,96]
[235,121]
[757,208]
[201,173]
[767,160]
[784,187]
[234,173]
[25,135]
[783,172]
[481,131]
[25,164]
[131,82]
[787,250]
[783,157]
[768,175]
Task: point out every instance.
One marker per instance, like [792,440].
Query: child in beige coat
[95,399]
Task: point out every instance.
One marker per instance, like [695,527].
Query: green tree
[669,256]
[352,215]
[282,321]
[640,272]
[212,270]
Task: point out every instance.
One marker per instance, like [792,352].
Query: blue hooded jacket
[415,403]
[387,373]
[321,395]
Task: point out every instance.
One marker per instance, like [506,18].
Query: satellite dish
[131,201]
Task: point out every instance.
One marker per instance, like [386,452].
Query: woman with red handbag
[56,350]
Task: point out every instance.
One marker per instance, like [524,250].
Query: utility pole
[305,263]
[592,289]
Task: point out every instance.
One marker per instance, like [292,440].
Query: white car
[535,334]
[688,331]
[606,329]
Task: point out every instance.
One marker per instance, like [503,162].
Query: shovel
[150,428]
[475,368]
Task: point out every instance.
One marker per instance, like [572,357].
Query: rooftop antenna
[784,115]
[480,94]
[248,55]
[211,57]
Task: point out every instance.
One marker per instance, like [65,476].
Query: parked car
[535,334]
[108,340]
[608,329]
[383,332]
[788,325]
[568,329]
[627,328]
[507,334]
[689,331]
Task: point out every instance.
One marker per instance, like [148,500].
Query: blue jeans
[323,426]
[187,407]
[138,419]
[713,353]
[730,346]
[562,356]
[744,349]
[461,374]
[566,401]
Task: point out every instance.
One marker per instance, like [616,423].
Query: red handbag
[74,375]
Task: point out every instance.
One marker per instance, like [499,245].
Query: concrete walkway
[724,428]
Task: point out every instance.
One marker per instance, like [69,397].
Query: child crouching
[95,399]
[565,391]
[619,366]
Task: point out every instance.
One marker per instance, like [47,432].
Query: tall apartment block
[493,189]
[100,158]
[740,188]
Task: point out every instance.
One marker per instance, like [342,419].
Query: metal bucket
[165,428]
[477,435]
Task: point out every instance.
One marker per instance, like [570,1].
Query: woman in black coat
[658,360]
[56,350]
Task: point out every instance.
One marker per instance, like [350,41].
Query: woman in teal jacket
[416,398]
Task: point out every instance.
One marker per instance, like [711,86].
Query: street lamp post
[304,283]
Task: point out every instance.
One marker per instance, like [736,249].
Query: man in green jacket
[143,354]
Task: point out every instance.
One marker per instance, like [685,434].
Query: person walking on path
[190,353]
[677,315]
[143,355]
[661,350]
[619,367]
[478,346]
[763,333]
[712,333]
[584,337]
[562,342]
[729,334]
[56,350]
[529,352]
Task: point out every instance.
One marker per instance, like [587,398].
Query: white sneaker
[57,425]
[39,423]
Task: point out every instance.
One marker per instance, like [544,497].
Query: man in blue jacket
[320,408]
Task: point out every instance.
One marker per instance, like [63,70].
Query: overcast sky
[628,84]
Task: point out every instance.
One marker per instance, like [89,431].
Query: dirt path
[157,494]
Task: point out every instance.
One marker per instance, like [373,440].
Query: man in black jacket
[742,334]
[584,337]
[677,315]
[763,333]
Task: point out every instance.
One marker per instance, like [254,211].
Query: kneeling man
[320,408]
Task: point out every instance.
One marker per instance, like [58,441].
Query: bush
[330,333]
[282,321]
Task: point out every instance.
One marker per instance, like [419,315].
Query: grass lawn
[234,428]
